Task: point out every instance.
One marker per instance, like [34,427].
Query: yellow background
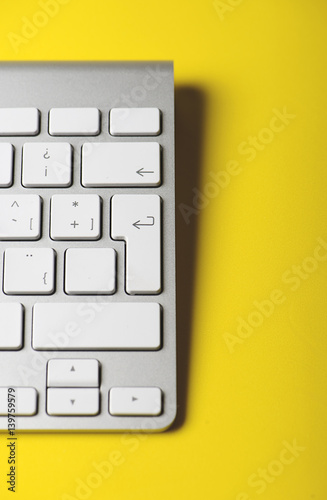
[235,63]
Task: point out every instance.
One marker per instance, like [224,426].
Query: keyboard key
[74,121]
[121,164]
[24,399]
[47,164]
[19,121]
[11,326]
[96,326]
[135,401]
[29,271]
[6,164]
[75,217]
[73,373]
[20,217]
[73,402]
[135,121]
[137,220]
[90,271]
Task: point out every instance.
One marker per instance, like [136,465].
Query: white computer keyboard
[87,246]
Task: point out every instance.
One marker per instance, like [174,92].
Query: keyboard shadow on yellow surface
[189,122]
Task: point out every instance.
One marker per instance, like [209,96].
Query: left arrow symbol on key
[15,203]
[141,172]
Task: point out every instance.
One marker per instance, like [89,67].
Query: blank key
[96,326]
[11,326]
[19,121]
[6,164]
[74,121]
[135,121]
[90,271]
[23,399]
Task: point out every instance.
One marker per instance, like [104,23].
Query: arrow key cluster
[73,387]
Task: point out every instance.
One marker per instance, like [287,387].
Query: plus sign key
[75,217]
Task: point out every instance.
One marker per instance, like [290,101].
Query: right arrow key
[137,220]
[135,401]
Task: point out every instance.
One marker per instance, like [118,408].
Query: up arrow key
[73,373]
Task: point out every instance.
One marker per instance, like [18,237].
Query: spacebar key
[96,326]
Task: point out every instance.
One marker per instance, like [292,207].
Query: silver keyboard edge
[103,85]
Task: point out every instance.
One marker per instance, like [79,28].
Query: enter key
[136,219]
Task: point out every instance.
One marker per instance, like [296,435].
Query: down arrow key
[73,401]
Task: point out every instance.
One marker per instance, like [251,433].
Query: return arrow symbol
[138,222]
